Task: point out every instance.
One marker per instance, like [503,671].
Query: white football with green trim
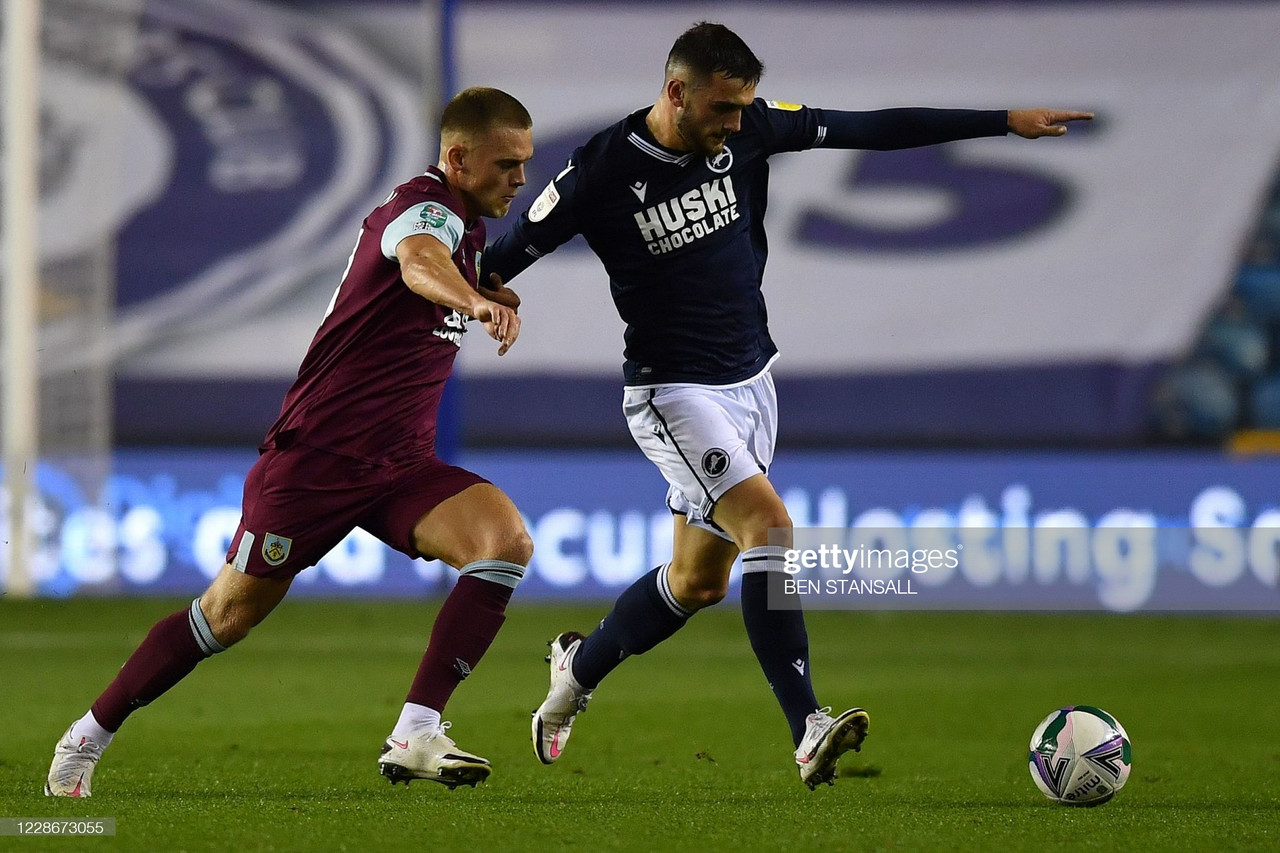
[1080,756]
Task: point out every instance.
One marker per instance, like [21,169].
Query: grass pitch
[272,746]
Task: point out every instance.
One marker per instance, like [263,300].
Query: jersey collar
[638,135]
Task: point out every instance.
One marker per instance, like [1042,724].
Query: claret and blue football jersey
[370,384]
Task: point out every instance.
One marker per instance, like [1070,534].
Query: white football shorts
[705,440]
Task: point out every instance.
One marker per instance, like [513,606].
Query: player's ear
[456,156]
[676,90]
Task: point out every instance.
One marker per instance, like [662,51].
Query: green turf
[272,746]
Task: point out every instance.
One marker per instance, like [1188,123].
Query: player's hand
[1032,124]
[500,322]
[500,293]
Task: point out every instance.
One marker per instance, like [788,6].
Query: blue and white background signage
[1030,531]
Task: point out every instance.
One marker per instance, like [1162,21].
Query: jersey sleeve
[550,222]
[795,127]
[426,217]
[786,126]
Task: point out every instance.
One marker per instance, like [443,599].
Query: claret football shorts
[301,501]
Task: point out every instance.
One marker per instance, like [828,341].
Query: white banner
[1109,244]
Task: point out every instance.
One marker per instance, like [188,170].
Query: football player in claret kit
[672,200]
[355,446]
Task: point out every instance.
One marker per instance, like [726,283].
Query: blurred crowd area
[1228,387]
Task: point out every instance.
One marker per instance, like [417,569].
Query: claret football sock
[778,636]
[644,615]
[468,621]
[170,651]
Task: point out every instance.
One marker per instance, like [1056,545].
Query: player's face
[712,111]
[493,170]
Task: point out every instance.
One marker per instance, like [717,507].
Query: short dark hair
[707,49]
[478,109]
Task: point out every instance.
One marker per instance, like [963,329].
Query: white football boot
[71,773]
[432,755]
[565,700]
[825,739]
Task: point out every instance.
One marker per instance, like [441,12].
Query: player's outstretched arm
[1032,124]
[427,269]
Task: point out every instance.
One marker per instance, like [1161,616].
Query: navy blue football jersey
[682,236]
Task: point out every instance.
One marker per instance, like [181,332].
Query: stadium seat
[1265,402]
[1237,342]
[1196,402]
[1258,286]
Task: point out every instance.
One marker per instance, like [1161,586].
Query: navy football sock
[644,615]
[778,637]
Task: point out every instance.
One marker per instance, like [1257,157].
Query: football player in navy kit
[672,199]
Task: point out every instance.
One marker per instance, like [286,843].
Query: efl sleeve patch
[544,203]
[429,217]
[783,105]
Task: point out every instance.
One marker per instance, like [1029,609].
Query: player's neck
[450,183]
[661,122]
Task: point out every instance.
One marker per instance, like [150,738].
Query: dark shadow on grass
[869,771]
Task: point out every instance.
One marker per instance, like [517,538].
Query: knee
[707,596]
[510,543]
[516,546]
[773,516]
[753,530]
[229,619]
[696,593]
